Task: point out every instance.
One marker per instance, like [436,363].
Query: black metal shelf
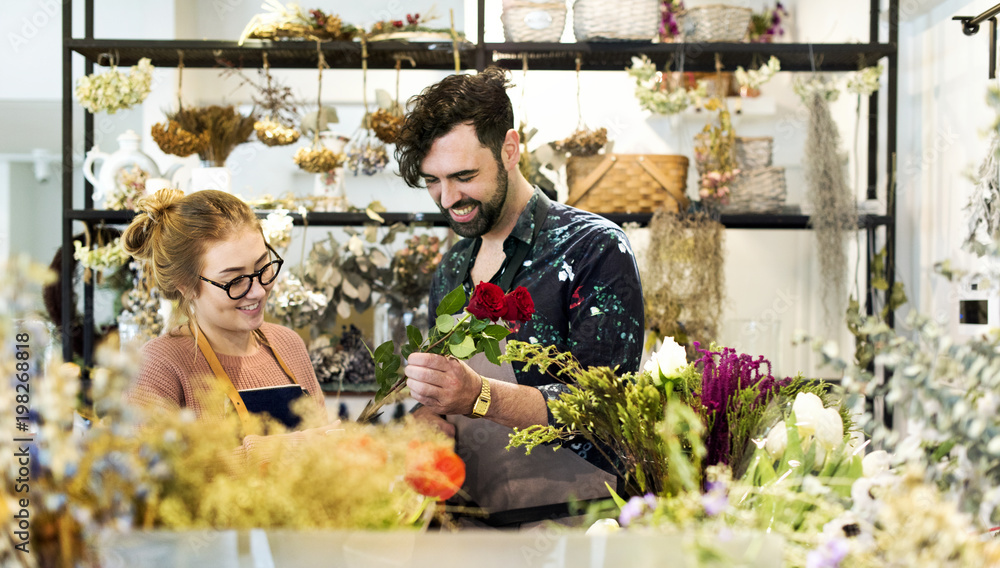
[616,56]
[356,219]
[280,54]
[594,56]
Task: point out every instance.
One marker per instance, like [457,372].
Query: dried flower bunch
[658,92]
[114,90]
[130,185]
[754,78]
[291,22]
[222,128]
[273,133]
[141,305]
[107,258]
[714,154]
[414,23]
[866,81]
[366,154]
[386,123]
[277,227]
[683,277]
[276,103]
[670,28]
[413,268]
[173,139]
[318,160]
[765,26]
[583,142]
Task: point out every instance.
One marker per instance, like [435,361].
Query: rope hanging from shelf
[180,77]
[454,42]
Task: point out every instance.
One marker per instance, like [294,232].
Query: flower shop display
[115,90]
[765,26]
[594,20]
[714,155]
[751,81]
[366,154]
[318,158]
[683,281]
[474,331]
[276,125]
[670,13]
[221,128]
[415,26]
[533,21]
[663,92]
[283,22]
[834,206]
[715,22]
[123,174]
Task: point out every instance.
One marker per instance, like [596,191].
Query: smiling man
[459,142]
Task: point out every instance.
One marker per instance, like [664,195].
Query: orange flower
[434,470]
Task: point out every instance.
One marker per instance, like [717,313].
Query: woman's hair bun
[150,212]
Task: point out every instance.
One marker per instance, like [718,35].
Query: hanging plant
[115,90]
[984,203]
[277,105]
[663,93]
[754,78]
[683,280]
[835,215]
[318,159]
[366,154]
[387,120]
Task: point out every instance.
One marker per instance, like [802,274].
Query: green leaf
[414,335]
[615,496]
[464,349]
[491,347]
[478,325]
[458,336]
[496,331]
[406,350]
[452,302]
[444,323]
[383,350]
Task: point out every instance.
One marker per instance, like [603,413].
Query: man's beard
[488,212]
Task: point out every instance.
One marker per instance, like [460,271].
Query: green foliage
[654,438]
[452,336]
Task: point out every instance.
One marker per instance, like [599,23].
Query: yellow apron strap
[284,367]
[223,378]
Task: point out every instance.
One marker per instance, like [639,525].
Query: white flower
[277,228]
[866,81]
[777,441]
[603,527]
[807,407]
[668,362]
[754,78]
[829,429]
[875,463]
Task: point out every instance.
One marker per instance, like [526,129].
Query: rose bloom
[520,306]
[487,302]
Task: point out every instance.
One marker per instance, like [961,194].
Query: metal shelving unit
[595,56]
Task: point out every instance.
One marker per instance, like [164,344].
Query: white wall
[772,274]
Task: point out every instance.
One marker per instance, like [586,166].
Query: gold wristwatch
[483,402]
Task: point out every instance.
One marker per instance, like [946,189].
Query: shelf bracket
[970,27]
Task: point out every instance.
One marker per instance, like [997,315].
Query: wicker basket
[757,191]
[753,153]
[715,22]
[600,20]
[627,183]
[533,21]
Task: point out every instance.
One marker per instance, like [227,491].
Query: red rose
[487,302]
[434,471]
[520,306]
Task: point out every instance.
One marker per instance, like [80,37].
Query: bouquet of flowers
[115,90]
[461,337]
[766,25]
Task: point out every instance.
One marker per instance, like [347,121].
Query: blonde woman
[207,251]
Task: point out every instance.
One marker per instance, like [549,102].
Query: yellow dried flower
[173,139]
[386,125]
[274,133]
[318,161]
[583,142]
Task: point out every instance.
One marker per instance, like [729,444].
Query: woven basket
[757,191]
[753,153]
[715,22]
[533,21]
[627,183]
[600,20]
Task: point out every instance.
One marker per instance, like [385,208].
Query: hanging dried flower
[273,133]
[866,81]
[657,93]
[173,139]
[754,78]
[222,127]
[318,161]
[366,154]
[386,125]
[114,90]
[583,142]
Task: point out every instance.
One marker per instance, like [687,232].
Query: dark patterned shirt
[583,278]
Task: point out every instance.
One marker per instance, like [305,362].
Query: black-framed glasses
[240,286]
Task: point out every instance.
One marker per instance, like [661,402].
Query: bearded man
[458,141]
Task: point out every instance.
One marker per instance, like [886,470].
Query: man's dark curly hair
[457,99]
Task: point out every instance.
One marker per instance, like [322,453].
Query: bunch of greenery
[643,425]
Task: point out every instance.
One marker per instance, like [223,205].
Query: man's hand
[428,416]
[442,384]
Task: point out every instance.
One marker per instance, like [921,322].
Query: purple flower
[715,500]
[635,507]
[830,555]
